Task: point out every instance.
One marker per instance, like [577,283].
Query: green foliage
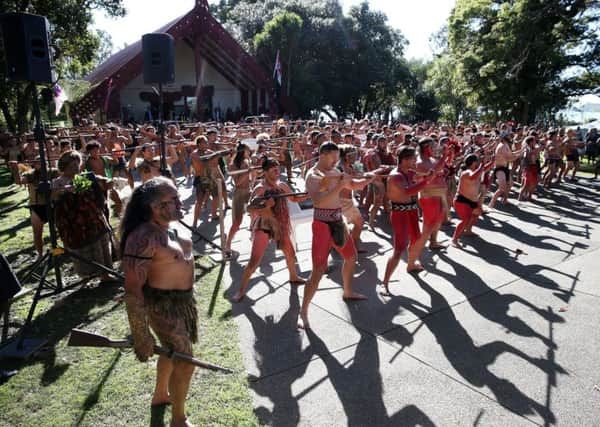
[524,58]
[417,100]
[352,63]
[81,183]
[445,79]
[280,33]
[77,48]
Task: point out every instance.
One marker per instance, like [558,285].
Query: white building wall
[226,95]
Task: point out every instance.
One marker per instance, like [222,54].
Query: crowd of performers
[386,167]
[351,171]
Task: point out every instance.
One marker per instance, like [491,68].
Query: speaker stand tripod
[22,347]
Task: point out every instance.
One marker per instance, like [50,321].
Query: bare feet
[297,281]
[456,244]
[238,296]
[417,268]
[385,290]
[354,296]
[303,322]
[436,247]
[182,423]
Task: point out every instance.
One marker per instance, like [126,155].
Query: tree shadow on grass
[69,312]
[11,232]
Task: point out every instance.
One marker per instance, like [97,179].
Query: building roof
[216,46]
[115,62]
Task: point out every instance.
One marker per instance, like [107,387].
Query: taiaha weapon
[278,196]
[200,236]
[80,338]
[208,157]
[259,201]
[243,171]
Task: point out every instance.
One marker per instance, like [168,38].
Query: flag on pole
[108,91]
[59,98]
[277,69]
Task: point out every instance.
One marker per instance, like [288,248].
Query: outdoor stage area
[502,332]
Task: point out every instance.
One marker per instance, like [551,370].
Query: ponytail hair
[239,155]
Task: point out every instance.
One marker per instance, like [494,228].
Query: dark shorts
[462,199]
[502,169]
[573,158]
[40,210]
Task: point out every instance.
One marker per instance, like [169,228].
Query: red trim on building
[211,43]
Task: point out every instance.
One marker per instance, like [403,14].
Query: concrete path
[503,332]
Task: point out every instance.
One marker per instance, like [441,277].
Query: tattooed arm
[139,250]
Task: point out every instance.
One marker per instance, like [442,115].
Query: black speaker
[26,47]
[158,50]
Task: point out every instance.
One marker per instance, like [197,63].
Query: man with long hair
[159,277]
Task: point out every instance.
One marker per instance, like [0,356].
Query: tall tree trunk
[10,122]
[525,113]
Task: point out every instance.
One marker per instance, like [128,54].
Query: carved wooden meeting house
[215,79]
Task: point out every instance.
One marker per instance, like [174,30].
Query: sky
[417,20]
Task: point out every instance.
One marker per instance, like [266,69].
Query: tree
[416,100]
[351,63]
[75,45]
[445,80]
[522,58]
[280,34]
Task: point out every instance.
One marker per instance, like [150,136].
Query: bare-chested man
[149,166]
[466,203]
[159,279]
[431,201]
[102,165]
[572,146]
[402,191]
[271,221]
[504,155]
[324,183]
[208,175]
[553,156]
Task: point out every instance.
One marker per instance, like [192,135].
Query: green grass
[106,387]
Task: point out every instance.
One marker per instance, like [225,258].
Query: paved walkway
[503,332]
